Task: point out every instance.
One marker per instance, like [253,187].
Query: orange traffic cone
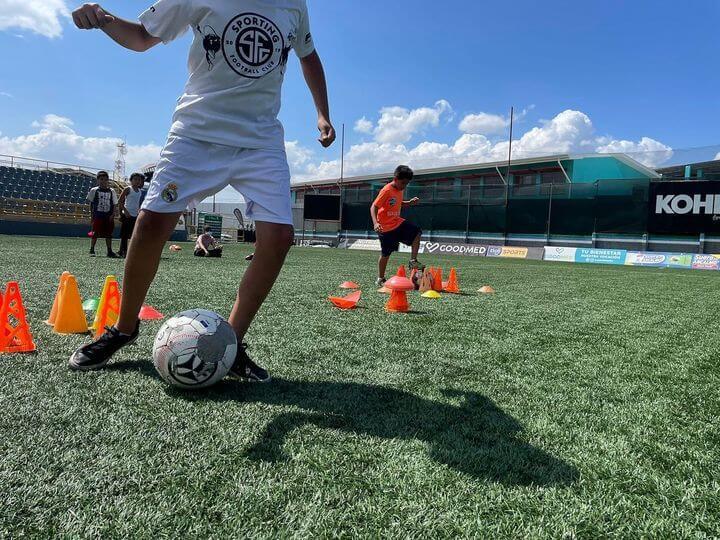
[70,317]
[348,302]
[413,274]
[15,336]
[401,272]
[437,281]
[109,310]
[398,302]
[103,299]
[452,283]
[53,311]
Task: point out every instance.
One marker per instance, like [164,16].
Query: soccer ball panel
[195,349]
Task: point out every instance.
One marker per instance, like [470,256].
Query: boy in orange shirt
[391,228]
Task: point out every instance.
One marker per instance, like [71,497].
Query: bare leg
[382,266]
[108,244]
[151,233]
[415,247]
[273,244]
[93,241]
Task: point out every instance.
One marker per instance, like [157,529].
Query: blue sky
[433,81]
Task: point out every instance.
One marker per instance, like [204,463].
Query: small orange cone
[384,290]
[109,310]
[53,311]
[487,289]
[401,272]
[452,283]
[349,285]
[398,302]
[437,280]
[70,317]
[149,313]
[348,302]
[103,298]
[15,336]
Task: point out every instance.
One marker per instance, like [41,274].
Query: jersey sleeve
[114,197]
[167,19]
[91,195]
[382,198]
[304,44]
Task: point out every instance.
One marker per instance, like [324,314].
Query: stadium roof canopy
[499,166]
[708,168]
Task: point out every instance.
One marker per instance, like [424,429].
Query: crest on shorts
[170,194]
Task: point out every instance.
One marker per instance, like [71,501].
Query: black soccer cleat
[96,355]
[414,264]
[245,369]
[112,255]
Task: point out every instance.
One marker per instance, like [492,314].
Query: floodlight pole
[507,179]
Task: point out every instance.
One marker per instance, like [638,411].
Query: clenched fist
[90,16]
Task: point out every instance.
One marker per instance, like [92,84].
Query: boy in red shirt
[391,228]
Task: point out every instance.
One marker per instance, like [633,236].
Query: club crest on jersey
[169,194]
[392,201]
[253,45]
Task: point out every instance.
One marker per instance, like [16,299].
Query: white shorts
[190,171]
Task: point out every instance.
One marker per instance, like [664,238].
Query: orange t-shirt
[389,203]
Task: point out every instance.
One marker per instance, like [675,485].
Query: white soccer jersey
[237,65]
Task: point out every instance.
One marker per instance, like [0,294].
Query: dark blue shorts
[406,233]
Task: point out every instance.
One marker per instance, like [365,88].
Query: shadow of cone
[70,314]
[15,336]
[53,311]
[348,302]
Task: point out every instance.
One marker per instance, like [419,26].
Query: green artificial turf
[578,401]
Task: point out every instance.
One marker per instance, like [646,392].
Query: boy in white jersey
[225,131]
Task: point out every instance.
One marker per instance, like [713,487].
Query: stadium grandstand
[42,197]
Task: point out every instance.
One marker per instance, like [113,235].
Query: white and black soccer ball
[195,349]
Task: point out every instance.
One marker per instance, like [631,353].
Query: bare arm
[315,78]
[373,215]
[121,202]
[412,202]
[130,35]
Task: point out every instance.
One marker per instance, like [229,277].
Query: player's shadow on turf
[474,436]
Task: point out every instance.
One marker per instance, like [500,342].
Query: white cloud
[364,126]
[104,128]
[568,132]
[6,94]
[56,140]
[718,156]
[398,125]
[484,124]
[40,16]
[647,151]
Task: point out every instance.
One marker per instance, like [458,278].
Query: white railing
[44,165]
